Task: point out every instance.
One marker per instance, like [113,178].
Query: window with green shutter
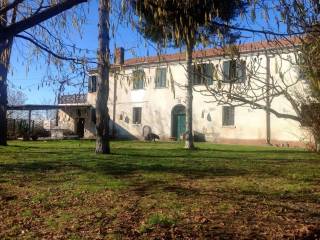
[92,84]
[202,74]
[234,71]
[208,73]
[161,78]
[227,116]
[138,79]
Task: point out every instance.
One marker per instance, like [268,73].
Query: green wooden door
[181,125]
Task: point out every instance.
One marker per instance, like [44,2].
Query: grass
[63,190]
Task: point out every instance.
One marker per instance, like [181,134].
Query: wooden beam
[33,107]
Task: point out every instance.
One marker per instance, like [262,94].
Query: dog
[152,136]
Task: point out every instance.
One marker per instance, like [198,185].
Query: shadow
[121,133]
[199,137]
[112,168]
[182,191]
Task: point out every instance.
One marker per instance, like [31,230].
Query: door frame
[176,110]
[77,127]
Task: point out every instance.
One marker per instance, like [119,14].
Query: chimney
[119,56]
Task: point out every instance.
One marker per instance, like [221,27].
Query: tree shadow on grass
[217,154]
[116,169]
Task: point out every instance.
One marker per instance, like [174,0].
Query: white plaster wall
[157,104]
[69,116]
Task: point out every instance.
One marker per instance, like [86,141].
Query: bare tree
[15,97]
[24,20]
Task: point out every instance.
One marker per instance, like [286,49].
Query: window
[234,71]
[227,116]
[138,79]
[203,74]
[136,117]
[161,78]
[92,84]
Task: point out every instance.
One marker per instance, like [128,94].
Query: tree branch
[46,49]
[10,6]
[260,106]
[16,28]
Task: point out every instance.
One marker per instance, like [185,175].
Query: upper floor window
[161,78]
[138,79]
[227,116]
[92,84]
[136,115]
[234,71]
[203,74]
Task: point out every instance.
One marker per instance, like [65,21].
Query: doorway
[80,127]
[178,121]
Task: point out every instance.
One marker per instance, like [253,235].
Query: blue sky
[27,77]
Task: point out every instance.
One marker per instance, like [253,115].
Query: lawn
[63,190]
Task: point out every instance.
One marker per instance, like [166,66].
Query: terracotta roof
[214,52]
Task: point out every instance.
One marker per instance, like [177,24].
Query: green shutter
[138,79]
[161,78]
[226,71]
[90,84]
[228,116]
[231,116]
[136,115]
[157,78]
[241,71]
[208,71]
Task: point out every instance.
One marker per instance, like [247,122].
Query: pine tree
[186,23]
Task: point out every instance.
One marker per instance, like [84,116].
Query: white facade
[158,103]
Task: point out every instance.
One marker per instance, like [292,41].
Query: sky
[27,76]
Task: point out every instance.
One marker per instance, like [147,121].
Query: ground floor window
[227,116]
[136,118]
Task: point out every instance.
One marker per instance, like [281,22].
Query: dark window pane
[90,84]
[136,116]
[93,115]
[94,83]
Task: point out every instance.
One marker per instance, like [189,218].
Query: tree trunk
[189,134]
[102,112]
[5,52]
[3,109]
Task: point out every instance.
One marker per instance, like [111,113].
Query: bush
[39,131]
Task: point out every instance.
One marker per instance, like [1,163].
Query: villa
[148,94]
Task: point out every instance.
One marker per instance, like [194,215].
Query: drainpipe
[115,80]
[268,102]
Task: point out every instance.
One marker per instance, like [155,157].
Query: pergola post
[29,124]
